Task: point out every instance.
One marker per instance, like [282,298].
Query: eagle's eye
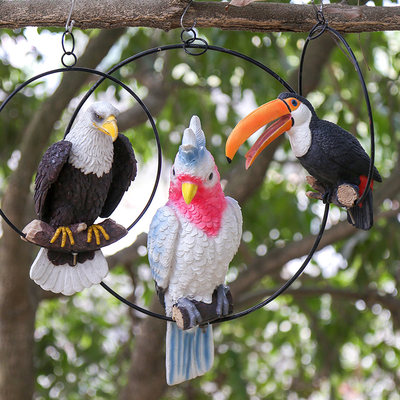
[97,116]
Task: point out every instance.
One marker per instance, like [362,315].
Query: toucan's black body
[336,157]
[328,152]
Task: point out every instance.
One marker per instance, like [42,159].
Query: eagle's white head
[92,138]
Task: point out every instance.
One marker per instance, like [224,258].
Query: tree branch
[166,14]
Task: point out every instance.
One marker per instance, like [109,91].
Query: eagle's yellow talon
[64,231]
[70,236]
[90,234]
[97,234]
[96,229]
[103,231]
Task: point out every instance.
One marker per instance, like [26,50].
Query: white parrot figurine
[191,241]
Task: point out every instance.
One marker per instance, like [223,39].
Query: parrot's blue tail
[189,353]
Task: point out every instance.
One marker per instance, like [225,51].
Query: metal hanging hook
[69,25]
[319,12]
[183,16]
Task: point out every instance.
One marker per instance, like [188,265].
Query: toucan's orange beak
[276,113]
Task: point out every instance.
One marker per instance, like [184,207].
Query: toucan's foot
[96,229]
[222,308]
[65,232]
[194,314]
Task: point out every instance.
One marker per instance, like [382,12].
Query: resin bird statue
[328,152]
[191,241]
[79,179]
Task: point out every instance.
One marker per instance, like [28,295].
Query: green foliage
[313,346]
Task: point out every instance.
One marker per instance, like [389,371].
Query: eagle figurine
[79,179]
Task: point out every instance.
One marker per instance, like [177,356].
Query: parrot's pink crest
[206,208]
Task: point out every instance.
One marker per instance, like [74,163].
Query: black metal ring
[191,44]
[104,76]
[188,31]
[206,47]
[69,53]
[63,42]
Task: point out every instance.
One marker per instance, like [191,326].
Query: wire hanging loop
[189,37]
[319,28]
[68,32]
[68,52]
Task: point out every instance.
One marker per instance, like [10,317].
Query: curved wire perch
[135,306]
[190,44]
[104,76]
[290,281]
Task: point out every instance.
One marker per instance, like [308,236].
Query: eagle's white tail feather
[66,279]
[188,353]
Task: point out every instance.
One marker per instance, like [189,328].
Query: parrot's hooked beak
[189,190]
[109,127]
[276,111]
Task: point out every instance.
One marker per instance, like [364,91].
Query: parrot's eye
[210,176]
[173,171]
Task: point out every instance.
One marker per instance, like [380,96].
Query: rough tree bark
[166,15]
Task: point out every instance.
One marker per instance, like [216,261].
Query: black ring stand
[104,76]
[190,44]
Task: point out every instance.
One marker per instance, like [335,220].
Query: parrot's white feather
[161,244]
[195,126]
[199,262]
[66,279]
[189,138]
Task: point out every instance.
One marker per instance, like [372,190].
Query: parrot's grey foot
[222,308]
[193,313]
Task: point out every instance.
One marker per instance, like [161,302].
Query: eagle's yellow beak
[109,127]
[189,190]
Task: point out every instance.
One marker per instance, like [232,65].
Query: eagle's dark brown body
[64,195]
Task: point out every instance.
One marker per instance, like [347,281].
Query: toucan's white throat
[300,133]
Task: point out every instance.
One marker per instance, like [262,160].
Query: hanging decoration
[333,156]
[191,241]
[79,179]
[341,168]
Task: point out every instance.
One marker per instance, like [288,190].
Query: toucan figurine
[328,152]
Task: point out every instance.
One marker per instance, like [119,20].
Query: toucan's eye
[210,176]
[294,102]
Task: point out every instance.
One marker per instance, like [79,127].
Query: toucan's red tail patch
[363,185]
